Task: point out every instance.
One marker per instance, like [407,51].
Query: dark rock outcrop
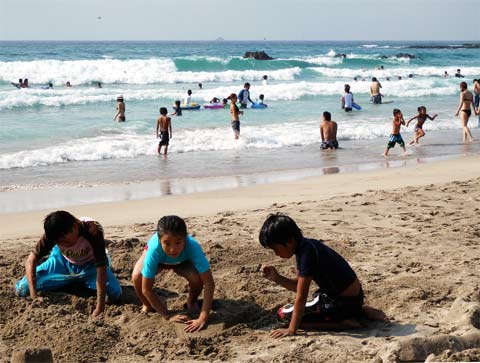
[258,55]
[406,55]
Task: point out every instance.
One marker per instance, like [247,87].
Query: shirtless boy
[465,106]
[421,118]
[395,136]
[164,125]
[328,132]
[376,96]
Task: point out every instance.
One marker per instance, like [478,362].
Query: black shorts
[329,145]
[323,309]
[121,118]
[236,126]
[377,99]
[348,109]
[164,138]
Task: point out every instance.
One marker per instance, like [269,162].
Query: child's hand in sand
[96,313]
[280,333]
[195,325]
[270,273]
[178,318]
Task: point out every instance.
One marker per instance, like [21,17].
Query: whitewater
[66,136]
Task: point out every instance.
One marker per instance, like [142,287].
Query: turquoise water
[66,136]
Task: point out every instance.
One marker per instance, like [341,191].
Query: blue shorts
[395,138]
[56,272]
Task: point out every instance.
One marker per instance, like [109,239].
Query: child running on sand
[235,115]
[338,302]
[164,124]
[421,118]
[171,248]
[76,250]
[395,136]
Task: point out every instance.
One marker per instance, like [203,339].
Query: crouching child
[76,254]
[171,248]
[339,300]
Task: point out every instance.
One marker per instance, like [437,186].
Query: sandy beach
[411,234]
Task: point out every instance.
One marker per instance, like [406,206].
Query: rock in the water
[32,355]
[406,55]
[259,55]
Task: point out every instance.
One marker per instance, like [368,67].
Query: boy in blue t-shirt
[171,248]
[339,300]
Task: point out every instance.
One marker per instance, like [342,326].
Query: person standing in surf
[476,96]
[347,99]
[235,115]
[164,125]
[120,115]
[376,96]
[465,106]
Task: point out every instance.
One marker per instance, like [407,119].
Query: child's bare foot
[374,314]
[411,142]
[147,309]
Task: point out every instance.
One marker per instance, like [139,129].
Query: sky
[240,20]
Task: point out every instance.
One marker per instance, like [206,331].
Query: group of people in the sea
[469,104]
[164,122]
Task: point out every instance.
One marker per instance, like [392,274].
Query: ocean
[64,140]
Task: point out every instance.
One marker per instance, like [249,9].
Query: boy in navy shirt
[338,301]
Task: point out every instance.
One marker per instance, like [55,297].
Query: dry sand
[411,234]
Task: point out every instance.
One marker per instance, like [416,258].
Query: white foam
[270,136]
[140,71]
[414,87]
[395,71]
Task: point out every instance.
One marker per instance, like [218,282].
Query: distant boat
[219,39]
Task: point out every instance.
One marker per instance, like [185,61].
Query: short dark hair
[396,111]
[419,108]
[374,79]
[246,85]
[189,92]
[463,85]
[279,228]
[261,96]
[171,225]
[327,115]
[163,111]
[177,103]
[347,88]
[58,224]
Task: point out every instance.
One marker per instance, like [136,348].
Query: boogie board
[384,102]
[213,106]
[190,106]
[258,105]
[356,106]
